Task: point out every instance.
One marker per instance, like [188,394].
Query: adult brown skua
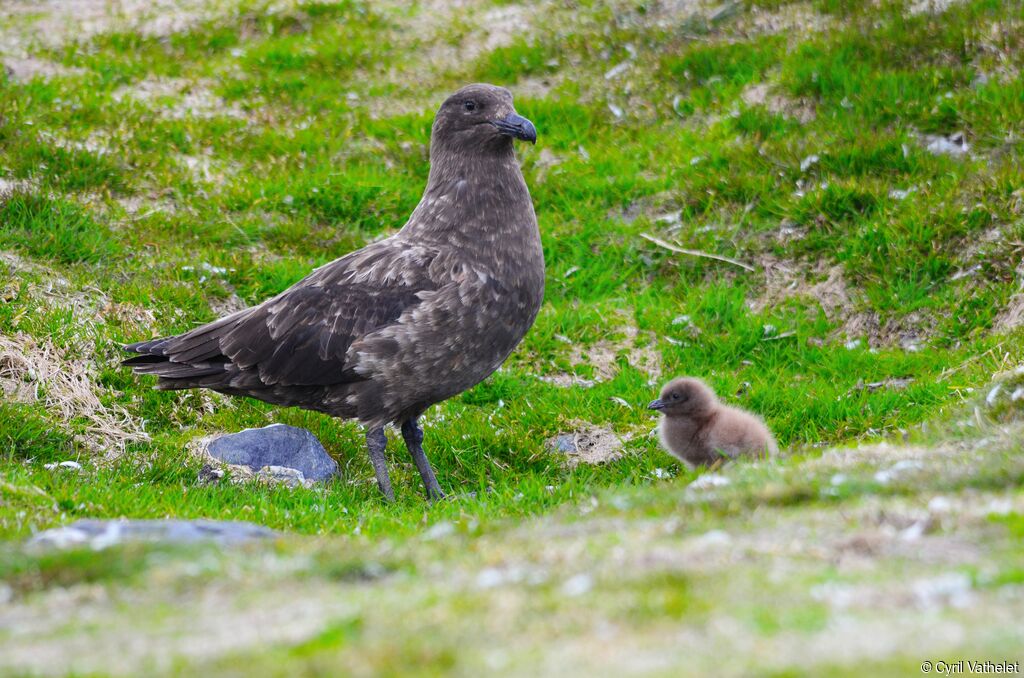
[384,332]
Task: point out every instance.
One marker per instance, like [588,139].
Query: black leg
[376,441]
[413,435]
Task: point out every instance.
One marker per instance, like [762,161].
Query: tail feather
[189,360]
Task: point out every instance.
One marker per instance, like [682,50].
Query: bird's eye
[675,396]
[469,105]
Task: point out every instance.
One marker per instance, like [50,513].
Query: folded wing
[298,338]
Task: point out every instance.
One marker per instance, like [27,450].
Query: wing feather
[300,337]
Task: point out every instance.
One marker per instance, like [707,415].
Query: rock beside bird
[277,445]
[699,430]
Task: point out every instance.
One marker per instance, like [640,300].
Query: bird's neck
[473,198]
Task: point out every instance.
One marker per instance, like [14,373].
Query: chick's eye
[469,105]
[675,396]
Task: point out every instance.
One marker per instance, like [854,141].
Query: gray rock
[565,442]
[99,534]
[275,445]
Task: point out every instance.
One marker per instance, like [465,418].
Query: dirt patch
[1011,317]
[179,98]
[228,305]
[565,380]
[786,279]
[9,187]
[537,87]
[791,19]
[763,94]
[603,355]
[38,371]
[206,169]
[53,23]
[27,68]
[455,33]
[587,444]
[502,26]
[96,143]
[931,6]
[138,207]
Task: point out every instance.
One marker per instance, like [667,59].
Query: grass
[162,177]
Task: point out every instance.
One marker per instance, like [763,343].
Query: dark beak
[517,127]
[656,405]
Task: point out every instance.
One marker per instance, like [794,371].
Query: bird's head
[480,117]
[686,397]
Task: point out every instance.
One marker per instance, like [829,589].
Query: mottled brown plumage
[383,333]
[699,430]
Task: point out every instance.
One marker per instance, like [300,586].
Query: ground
[844,182]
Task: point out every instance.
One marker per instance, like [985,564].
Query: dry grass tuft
[36,371]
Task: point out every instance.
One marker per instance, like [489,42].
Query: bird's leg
[413,435]
[376,441]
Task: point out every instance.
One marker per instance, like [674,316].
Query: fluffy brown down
[699,430]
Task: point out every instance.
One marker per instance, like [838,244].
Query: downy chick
[699,430]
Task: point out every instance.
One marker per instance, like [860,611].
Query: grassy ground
[163,164]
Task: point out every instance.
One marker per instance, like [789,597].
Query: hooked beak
[517,127]
[656,405]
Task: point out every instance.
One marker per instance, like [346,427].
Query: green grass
[314,176]
[317,172]
[56,230]
[161,179]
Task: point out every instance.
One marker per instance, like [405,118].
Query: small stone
[100,534]
[955,144]
[70,465]
[566,443]
[276,445]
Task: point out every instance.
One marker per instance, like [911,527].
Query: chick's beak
[517,127]
[656,405]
